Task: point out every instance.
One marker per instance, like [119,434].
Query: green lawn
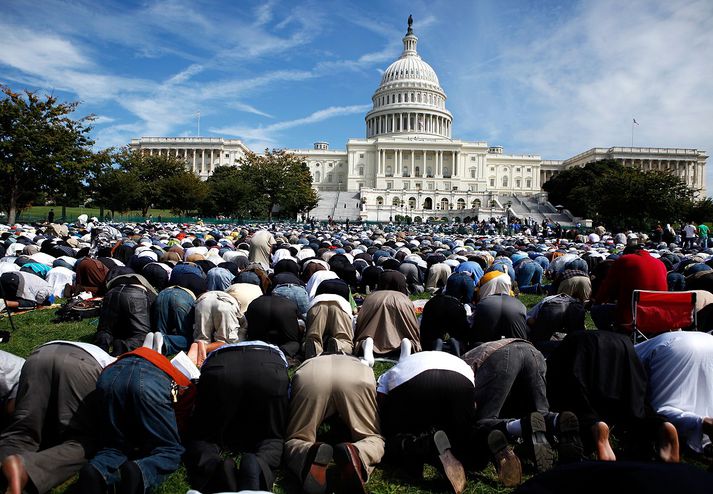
[36,213]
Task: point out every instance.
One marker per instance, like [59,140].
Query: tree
[279,177]
[230,195]
[42,149]
[135,180]
[621,197]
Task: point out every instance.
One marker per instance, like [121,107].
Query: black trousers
[241,406]
[433,400]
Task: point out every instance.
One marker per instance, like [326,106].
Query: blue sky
[552,78]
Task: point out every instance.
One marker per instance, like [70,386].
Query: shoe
[310,349]
[315,479]
[332,346]
[534,435]
[569,447]
[507,464]
[90,481]
[452,468]
[352,475]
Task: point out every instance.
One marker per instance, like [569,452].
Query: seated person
[428,414]
[274,320]
[138,444]
[498,314]
[387,317]
[678,365]
[597,376]
[52,430]
[21,290]
[241,407]
[325,386]
[125,317]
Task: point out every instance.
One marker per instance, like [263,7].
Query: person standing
[703,235]
[50,216]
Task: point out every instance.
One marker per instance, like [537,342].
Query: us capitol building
[409,164]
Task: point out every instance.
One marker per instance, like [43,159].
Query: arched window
[476,203]
[317,176]
[412,202]
[461,203]
[329,178]
[396,202]
[505,181]
[428,203]
[379,201]
[444,204]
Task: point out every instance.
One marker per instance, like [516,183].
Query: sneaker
[505,460]
[368,348]
[352,475]
[452,468]
[569,447]
[405,350]
[534,435]
[315,479]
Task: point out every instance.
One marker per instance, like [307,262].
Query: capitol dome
[409,99]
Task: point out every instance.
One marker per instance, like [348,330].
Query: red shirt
[637,271]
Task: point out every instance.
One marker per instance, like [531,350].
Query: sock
[148,341]
[514,428]
[132,482]
[158,342]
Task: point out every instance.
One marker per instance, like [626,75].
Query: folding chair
[656,312]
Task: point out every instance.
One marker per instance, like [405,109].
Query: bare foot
[14,470]
[600,431]
[668,443]
[193,353]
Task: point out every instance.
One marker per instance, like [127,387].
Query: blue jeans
[297,294]
[528,276]
[138,422]
[173,317]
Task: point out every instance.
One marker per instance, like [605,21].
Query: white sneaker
[405,349]
[158,341]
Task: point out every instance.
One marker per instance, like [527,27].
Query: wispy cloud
[268,136]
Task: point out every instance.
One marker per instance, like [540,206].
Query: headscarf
[494,283]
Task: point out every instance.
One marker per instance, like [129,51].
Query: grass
[37,213]
[35,327]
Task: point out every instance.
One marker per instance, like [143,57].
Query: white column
[203,160]
[378,162]
[423,166]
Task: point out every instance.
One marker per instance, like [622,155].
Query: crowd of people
[474,378]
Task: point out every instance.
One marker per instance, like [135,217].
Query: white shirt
[417,363]
[99,355]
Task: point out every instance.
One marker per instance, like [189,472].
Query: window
[472,158]
[461,203]
[517,183]
[317,176]
[476,203]
[227,155]
[379,201]
[389,185]
[472,172]
[412,202]
[492,182]
[529,170]
[329,178]
[361,171]
[430,185]
[361,155]
[528,183]
[517,170]
[505,181]
[444,204]
[472,187]
[396,202]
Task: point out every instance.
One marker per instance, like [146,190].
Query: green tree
[621,197]
[42,149]
[279,177]
[135,180]
[230,195]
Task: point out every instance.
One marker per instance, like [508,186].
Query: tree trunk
[64,213]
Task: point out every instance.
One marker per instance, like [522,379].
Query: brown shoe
[505,460]
[315,479]
[352,474]
[452,468]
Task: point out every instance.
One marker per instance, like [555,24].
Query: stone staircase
[339,205]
